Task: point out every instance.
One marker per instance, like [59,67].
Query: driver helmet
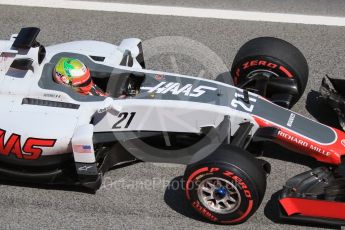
[72,72]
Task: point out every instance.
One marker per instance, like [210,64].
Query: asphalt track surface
[317,7]
[137,196]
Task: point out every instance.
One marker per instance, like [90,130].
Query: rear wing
[26,38]
[23,48]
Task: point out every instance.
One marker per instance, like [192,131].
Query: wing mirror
[109,105]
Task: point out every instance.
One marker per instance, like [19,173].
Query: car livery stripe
[291,140]
[313,208]
[250,206]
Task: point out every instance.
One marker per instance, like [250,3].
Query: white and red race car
[51,134]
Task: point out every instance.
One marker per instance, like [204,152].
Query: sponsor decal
[31,150]
[82,149]
[84,168]
[105,109]
[176,88]
[303,143]
[204,211]
[291,119]
[159,77]
[106,106]
[239,182]
[259,63]
[262,63]
[343,142]
[51,95]
[293,139]
[330,153]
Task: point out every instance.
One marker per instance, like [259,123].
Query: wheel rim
[269,84]
[253,75]
[219,195]
[264,72]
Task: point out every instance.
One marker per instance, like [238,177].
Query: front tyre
[227,187]
[272,68]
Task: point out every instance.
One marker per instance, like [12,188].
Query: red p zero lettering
[254,63]
[214,169]
[246,65]
[228,173]
[262,63]
[272,65]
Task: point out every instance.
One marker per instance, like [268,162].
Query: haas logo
[175,88]
[31,149]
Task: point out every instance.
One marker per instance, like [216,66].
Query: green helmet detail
[68,67]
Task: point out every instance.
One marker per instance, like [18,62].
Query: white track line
[181,11]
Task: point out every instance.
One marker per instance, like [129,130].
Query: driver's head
[73,73]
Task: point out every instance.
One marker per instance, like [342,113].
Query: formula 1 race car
[49,133]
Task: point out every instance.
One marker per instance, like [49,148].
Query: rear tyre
[226,187]
[272,68]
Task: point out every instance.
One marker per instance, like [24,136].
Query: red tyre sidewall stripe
[283,69]
[191,177]
[250,206]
